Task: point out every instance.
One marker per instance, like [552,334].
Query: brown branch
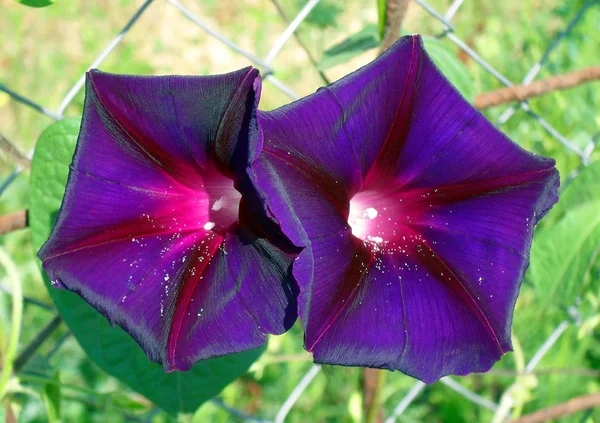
[13,221]
[395,11]
[574,405]
[543,86]
[9,413]
[13,153]
[373,381]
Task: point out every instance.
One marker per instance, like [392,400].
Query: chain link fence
[503,408]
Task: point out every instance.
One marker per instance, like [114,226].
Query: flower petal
[442,199]
[148,231]
[412,123]
[306,214]
[437,298]
[175,121]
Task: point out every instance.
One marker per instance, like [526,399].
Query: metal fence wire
[503,408]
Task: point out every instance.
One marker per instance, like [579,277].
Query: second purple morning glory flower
[416,216]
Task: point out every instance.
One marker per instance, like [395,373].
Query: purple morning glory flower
[415,214]
[152,231]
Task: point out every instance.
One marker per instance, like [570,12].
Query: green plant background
[44,51]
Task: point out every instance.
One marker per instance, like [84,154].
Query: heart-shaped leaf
[364,40]
[580,191]
[562,255]
[110,347]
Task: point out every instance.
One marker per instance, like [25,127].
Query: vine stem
[373,382]
[13,221]
[17,314]
[395,11]
[13,153]
[574,405]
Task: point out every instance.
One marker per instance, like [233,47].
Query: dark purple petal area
[151,231]
[416,215]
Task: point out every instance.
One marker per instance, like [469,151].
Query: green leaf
[454,70]
[364,40]
[36,3]
[324,14]
[109,347]
[562,255]
[580,191]
[51,397]
[382,17]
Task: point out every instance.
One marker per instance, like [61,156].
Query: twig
[13,221]
[537,88]
[373,383]
[572,406]
[312,59]
[8,411]
[14,153]
[395,11]
[32,347]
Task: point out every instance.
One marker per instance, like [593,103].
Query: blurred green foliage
[44,51]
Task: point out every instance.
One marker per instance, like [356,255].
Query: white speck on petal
[218,205]
[371,213]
